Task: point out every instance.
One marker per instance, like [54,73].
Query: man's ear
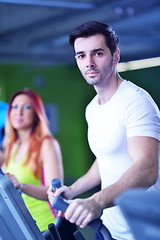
[116,57]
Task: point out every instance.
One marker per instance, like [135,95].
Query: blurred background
[35,53]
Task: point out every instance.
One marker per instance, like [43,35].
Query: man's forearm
[88,181]
[136,176]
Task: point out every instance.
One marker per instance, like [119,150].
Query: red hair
[40,131]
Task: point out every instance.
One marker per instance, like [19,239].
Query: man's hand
[64,191]
[83,211]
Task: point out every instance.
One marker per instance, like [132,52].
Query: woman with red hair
[32,156]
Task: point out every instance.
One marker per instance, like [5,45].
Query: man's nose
[90,63]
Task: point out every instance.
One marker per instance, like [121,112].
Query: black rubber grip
[60,203]
[56,183]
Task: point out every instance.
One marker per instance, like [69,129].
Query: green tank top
[40,210]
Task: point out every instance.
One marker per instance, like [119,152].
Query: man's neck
[105,93]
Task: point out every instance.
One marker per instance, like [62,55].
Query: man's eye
[80,56]
[99,54]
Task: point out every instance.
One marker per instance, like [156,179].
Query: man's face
[94,59]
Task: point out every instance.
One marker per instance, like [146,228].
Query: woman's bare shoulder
[50,143]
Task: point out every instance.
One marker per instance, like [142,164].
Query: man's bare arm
[143,173]
[88,181]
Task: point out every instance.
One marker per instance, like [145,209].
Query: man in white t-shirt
[123,133]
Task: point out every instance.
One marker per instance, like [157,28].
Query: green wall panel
[64,87]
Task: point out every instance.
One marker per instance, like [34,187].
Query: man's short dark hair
[91,28]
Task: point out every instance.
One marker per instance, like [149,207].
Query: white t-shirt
[130,112]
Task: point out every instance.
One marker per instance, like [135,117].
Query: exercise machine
[141,210]
[16,223]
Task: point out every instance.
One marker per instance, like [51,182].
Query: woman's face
[22,114]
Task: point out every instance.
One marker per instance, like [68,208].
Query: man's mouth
[92,73]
